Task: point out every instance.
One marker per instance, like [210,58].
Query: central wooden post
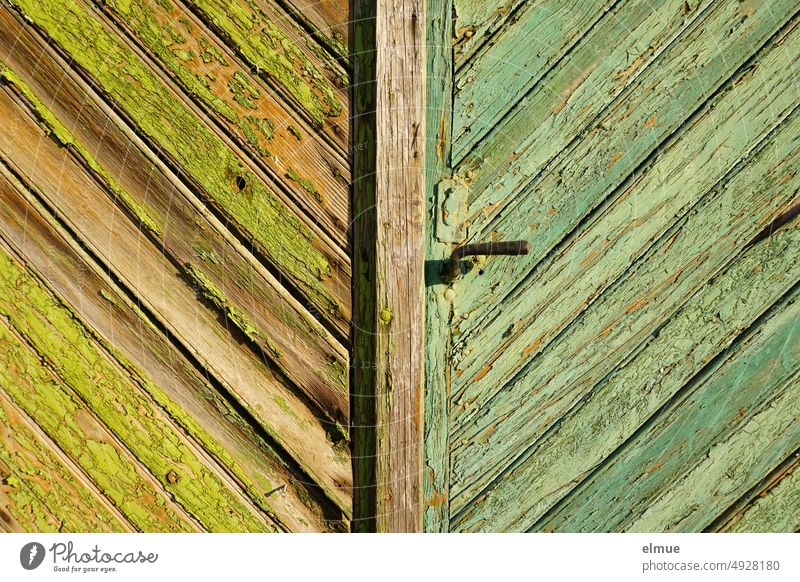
[388,246]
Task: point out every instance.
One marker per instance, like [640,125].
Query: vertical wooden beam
[388,243]
[439,106]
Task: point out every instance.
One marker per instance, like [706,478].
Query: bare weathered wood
[389,245]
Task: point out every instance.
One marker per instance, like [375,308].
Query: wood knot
[172,477]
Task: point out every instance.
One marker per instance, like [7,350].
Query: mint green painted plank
[777,511]
[639,386]
[476,20]
[491,420]
[570,280]
[657,103]
[730,467]
[501,73]
[645,468]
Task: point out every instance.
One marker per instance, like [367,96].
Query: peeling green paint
[68,349]
[305,184]
[244,92]
[295,132]
[281,237]
[207,289]
[44,494]
[211,53]
[270,51]
[65,137]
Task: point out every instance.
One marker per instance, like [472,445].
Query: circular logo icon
[31,555]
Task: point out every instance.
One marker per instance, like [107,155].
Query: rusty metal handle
[452,269]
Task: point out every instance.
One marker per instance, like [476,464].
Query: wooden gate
[174,266]
[640,368]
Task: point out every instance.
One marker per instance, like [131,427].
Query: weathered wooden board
[437,308]
[250,299]
[85,208]
[564,289]
[287,245]
[640,151]
[758,371]
[174,201]
[80,397]
[295,162]
[660,101]
[35,478]
[389,244]
[500,74]
[776,509]
[197,407]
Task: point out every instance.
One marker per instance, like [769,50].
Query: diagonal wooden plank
[327,20]
[730,468]
[58,341]
[253,210]
[491,422]
[59,412]
[678,437]
[279,51]
[251,301]
[315,179]
[569,280]
[638,387]
[500,74]
[549,196]
[190,400]
[776,509]
[41,490]
[138,265]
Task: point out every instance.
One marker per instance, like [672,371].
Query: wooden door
[640,368]
[174,266]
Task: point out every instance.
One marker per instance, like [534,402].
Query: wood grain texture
[281,52]
[663,135]
[678,264]
[389,236]
[500,74]
[305,261]
[86,208]
[196,406]
[637,389]
[326,20]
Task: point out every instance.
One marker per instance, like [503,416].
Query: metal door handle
[452,268]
